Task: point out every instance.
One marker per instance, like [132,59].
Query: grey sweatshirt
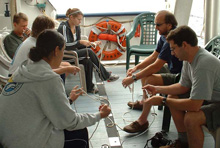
[34,109]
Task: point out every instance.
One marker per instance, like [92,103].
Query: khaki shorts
[168,78]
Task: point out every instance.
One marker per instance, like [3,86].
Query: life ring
[112,32]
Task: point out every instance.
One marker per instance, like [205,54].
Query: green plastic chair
[148,37]
[213,46]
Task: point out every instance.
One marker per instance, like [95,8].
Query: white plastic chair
[215,134]
[73,56]
[2,47]
[4,71]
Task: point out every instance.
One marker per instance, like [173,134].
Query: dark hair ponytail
[34,55]
[46,43]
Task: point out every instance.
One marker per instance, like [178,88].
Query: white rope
[153,114]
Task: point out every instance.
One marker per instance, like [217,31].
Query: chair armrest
[215,41]
[2,47]
[4,78]
[72,55]
[4,62]
[71,52]
[131,33]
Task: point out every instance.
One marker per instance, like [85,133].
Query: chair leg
[82,77]
[166,119]
[136,59]
[217,138]
[215,134]
[127,61]
[160,107]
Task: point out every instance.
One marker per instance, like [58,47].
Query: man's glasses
[172,49]
[158,25]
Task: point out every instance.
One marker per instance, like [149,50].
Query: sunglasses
[158,25]
[172,50]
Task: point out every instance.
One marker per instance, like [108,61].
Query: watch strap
[134,77]
[164,101]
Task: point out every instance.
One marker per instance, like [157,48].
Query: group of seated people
[35,111]
[71,32]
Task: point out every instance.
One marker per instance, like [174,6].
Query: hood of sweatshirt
[29,72]
[64,23]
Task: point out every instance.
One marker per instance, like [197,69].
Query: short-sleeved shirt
[11,43]
[163,48]
[202,76]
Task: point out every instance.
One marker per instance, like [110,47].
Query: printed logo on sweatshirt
[11,88]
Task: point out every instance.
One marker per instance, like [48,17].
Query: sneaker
[176,144]
[93,91]
[135,105]
[113,78]
[135,127]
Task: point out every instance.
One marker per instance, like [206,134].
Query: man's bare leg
[193,123]
[155,79]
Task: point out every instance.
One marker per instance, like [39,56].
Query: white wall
[5,21]
[26,6]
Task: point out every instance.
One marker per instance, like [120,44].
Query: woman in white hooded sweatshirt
[34,109]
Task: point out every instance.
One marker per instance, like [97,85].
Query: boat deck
[118,97]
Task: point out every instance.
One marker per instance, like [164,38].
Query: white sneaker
[113,78]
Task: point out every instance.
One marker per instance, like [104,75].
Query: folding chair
[73,56]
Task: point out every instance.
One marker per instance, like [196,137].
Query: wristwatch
[164,101]
[134,77]
[70,101]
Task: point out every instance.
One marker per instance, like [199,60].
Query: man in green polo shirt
[18,35]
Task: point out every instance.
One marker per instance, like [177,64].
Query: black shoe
[176,144]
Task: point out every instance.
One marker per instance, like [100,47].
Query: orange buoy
[108,37]
[109,31]
[138,31]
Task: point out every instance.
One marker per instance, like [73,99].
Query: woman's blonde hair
[74,12]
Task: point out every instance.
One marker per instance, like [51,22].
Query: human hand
[131,71]
[68,68]
[104,110]
[127,81]
[85,43]
[72,69]
[26,33]
[75,93]
[151,89]
[98,42]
